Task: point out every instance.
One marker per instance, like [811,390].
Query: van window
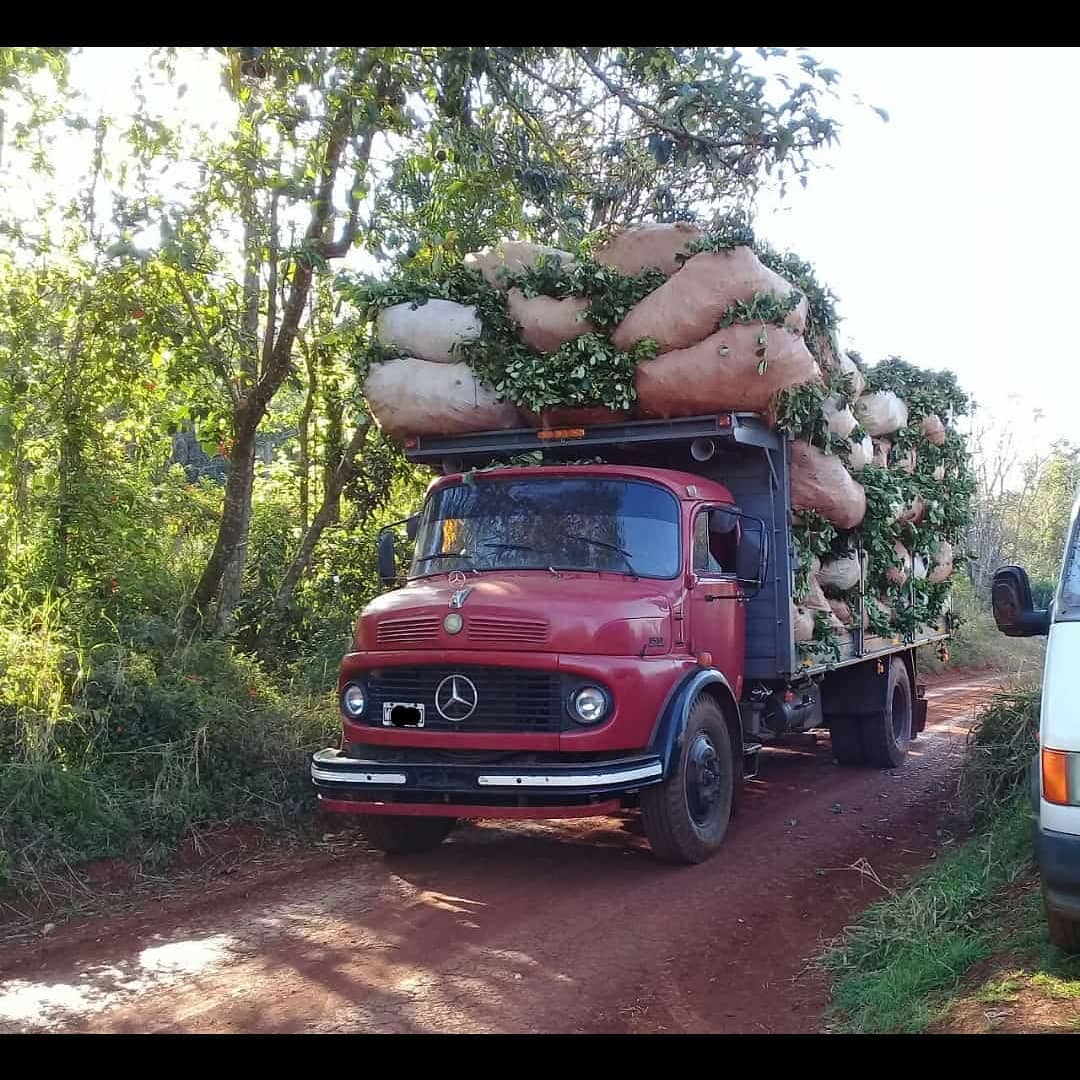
[1068,605]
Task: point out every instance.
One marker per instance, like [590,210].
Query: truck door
[717,618]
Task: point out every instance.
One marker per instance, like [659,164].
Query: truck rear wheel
[400,835]
[687,815]
[879,739]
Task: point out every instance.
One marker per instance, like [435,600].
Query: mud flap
[918,720]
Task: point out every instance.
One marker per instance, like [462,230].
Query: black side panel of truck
[758,478]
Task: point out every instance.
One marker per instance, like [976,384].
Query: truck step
[750,751]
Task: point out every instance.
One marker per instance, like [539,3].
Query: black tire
[687,815]
[846,735]
[1064,932]
[399,835]
[887,734]
[878,739]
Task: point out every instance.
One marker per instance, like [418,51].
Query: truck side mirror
[412,526]
[387,558]
[752,556]
[1014,610]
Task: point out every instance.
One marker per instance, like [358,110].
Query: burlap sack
[898,575]
[840,421]
[820,482]
[914,512]
[429,331]
[862,453]
[906,461]
[881,452]
[881,413]
[934,429]
[845,616]
[547,323]
[688,306]
[841,573]
[647,247]
[409,396]
[511,256]
[850,368]
[721,372]
[802,622]
[942,567]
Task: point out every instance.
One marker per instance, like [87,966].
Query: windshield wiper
[507,547]
[610,547]
[443,555]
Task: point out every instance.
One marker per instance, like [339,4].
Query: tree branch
[212,351]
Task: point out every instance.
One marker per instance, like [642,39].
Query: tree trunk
[327,514]
[305,449]
[235,518]
[232,578]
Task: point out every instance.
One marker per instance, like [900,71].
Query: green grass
[905,951]
[897,966]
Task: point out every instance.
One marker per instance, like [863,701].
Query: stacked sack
[713,326]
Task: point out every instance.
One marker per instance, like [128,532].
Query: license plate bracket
[403,714]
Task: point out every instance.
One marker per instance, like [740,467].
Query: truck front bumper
[506,790]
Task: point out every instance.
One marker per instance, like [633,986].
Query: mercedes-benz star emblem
[456,698]
[457,578]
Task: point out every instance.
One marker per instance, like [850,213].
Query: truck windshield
[578,523]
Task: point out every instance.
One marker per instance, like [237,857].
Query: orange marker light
[704,659]
[562,433]
[1055,777]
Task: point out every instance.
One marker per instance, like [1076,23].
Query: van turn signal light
[1055,777]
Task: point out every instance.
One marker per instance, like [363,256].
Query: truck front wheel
[687,815]
[399,835]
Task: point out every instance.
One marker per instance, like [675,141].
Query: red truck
[606,625]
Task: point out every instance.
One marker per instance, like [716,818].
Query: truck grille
[508,699]
[406,631]
[496,631]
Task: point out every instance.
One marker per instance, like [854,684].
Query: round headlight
[354,700]
[453,623]
[588,705]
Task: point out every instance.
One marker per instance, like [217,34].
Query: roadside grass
[900,968]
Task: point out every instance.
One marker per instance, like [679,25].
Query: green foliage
[924,392]
[921,941]
[764,308]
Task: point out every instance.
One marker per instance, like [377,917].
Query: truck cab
[573,637]
[1056,771]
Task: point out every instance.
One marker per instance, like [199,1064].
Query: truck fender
[668,733]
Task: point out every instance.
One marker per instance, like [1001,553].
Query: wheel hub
[703,787]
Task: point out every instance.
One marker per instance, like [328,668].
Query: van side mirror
[387,558]
[1014,610]
[752,556]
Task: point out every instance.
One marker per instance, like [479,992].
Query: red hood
[535,611]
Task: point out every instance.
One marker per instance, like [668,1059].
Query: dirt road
[545,927]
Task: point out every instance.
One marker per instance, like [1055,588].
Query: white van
[1057,770]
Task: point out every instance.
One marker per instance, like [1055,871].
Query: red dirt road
[529,927]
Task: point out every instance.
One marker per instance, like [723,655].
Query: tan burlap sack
[648,247]
[511,256]
[722,372]
[915,511]
[898,575]
[841,573]
[429,331]
[942,567]
[881,413]
[820,482]
[934,429]
[881,452]
[688,306]
[802,622]
[547,323]
[409,396]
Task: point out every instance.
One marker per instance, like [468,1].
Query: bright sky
[949,234]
